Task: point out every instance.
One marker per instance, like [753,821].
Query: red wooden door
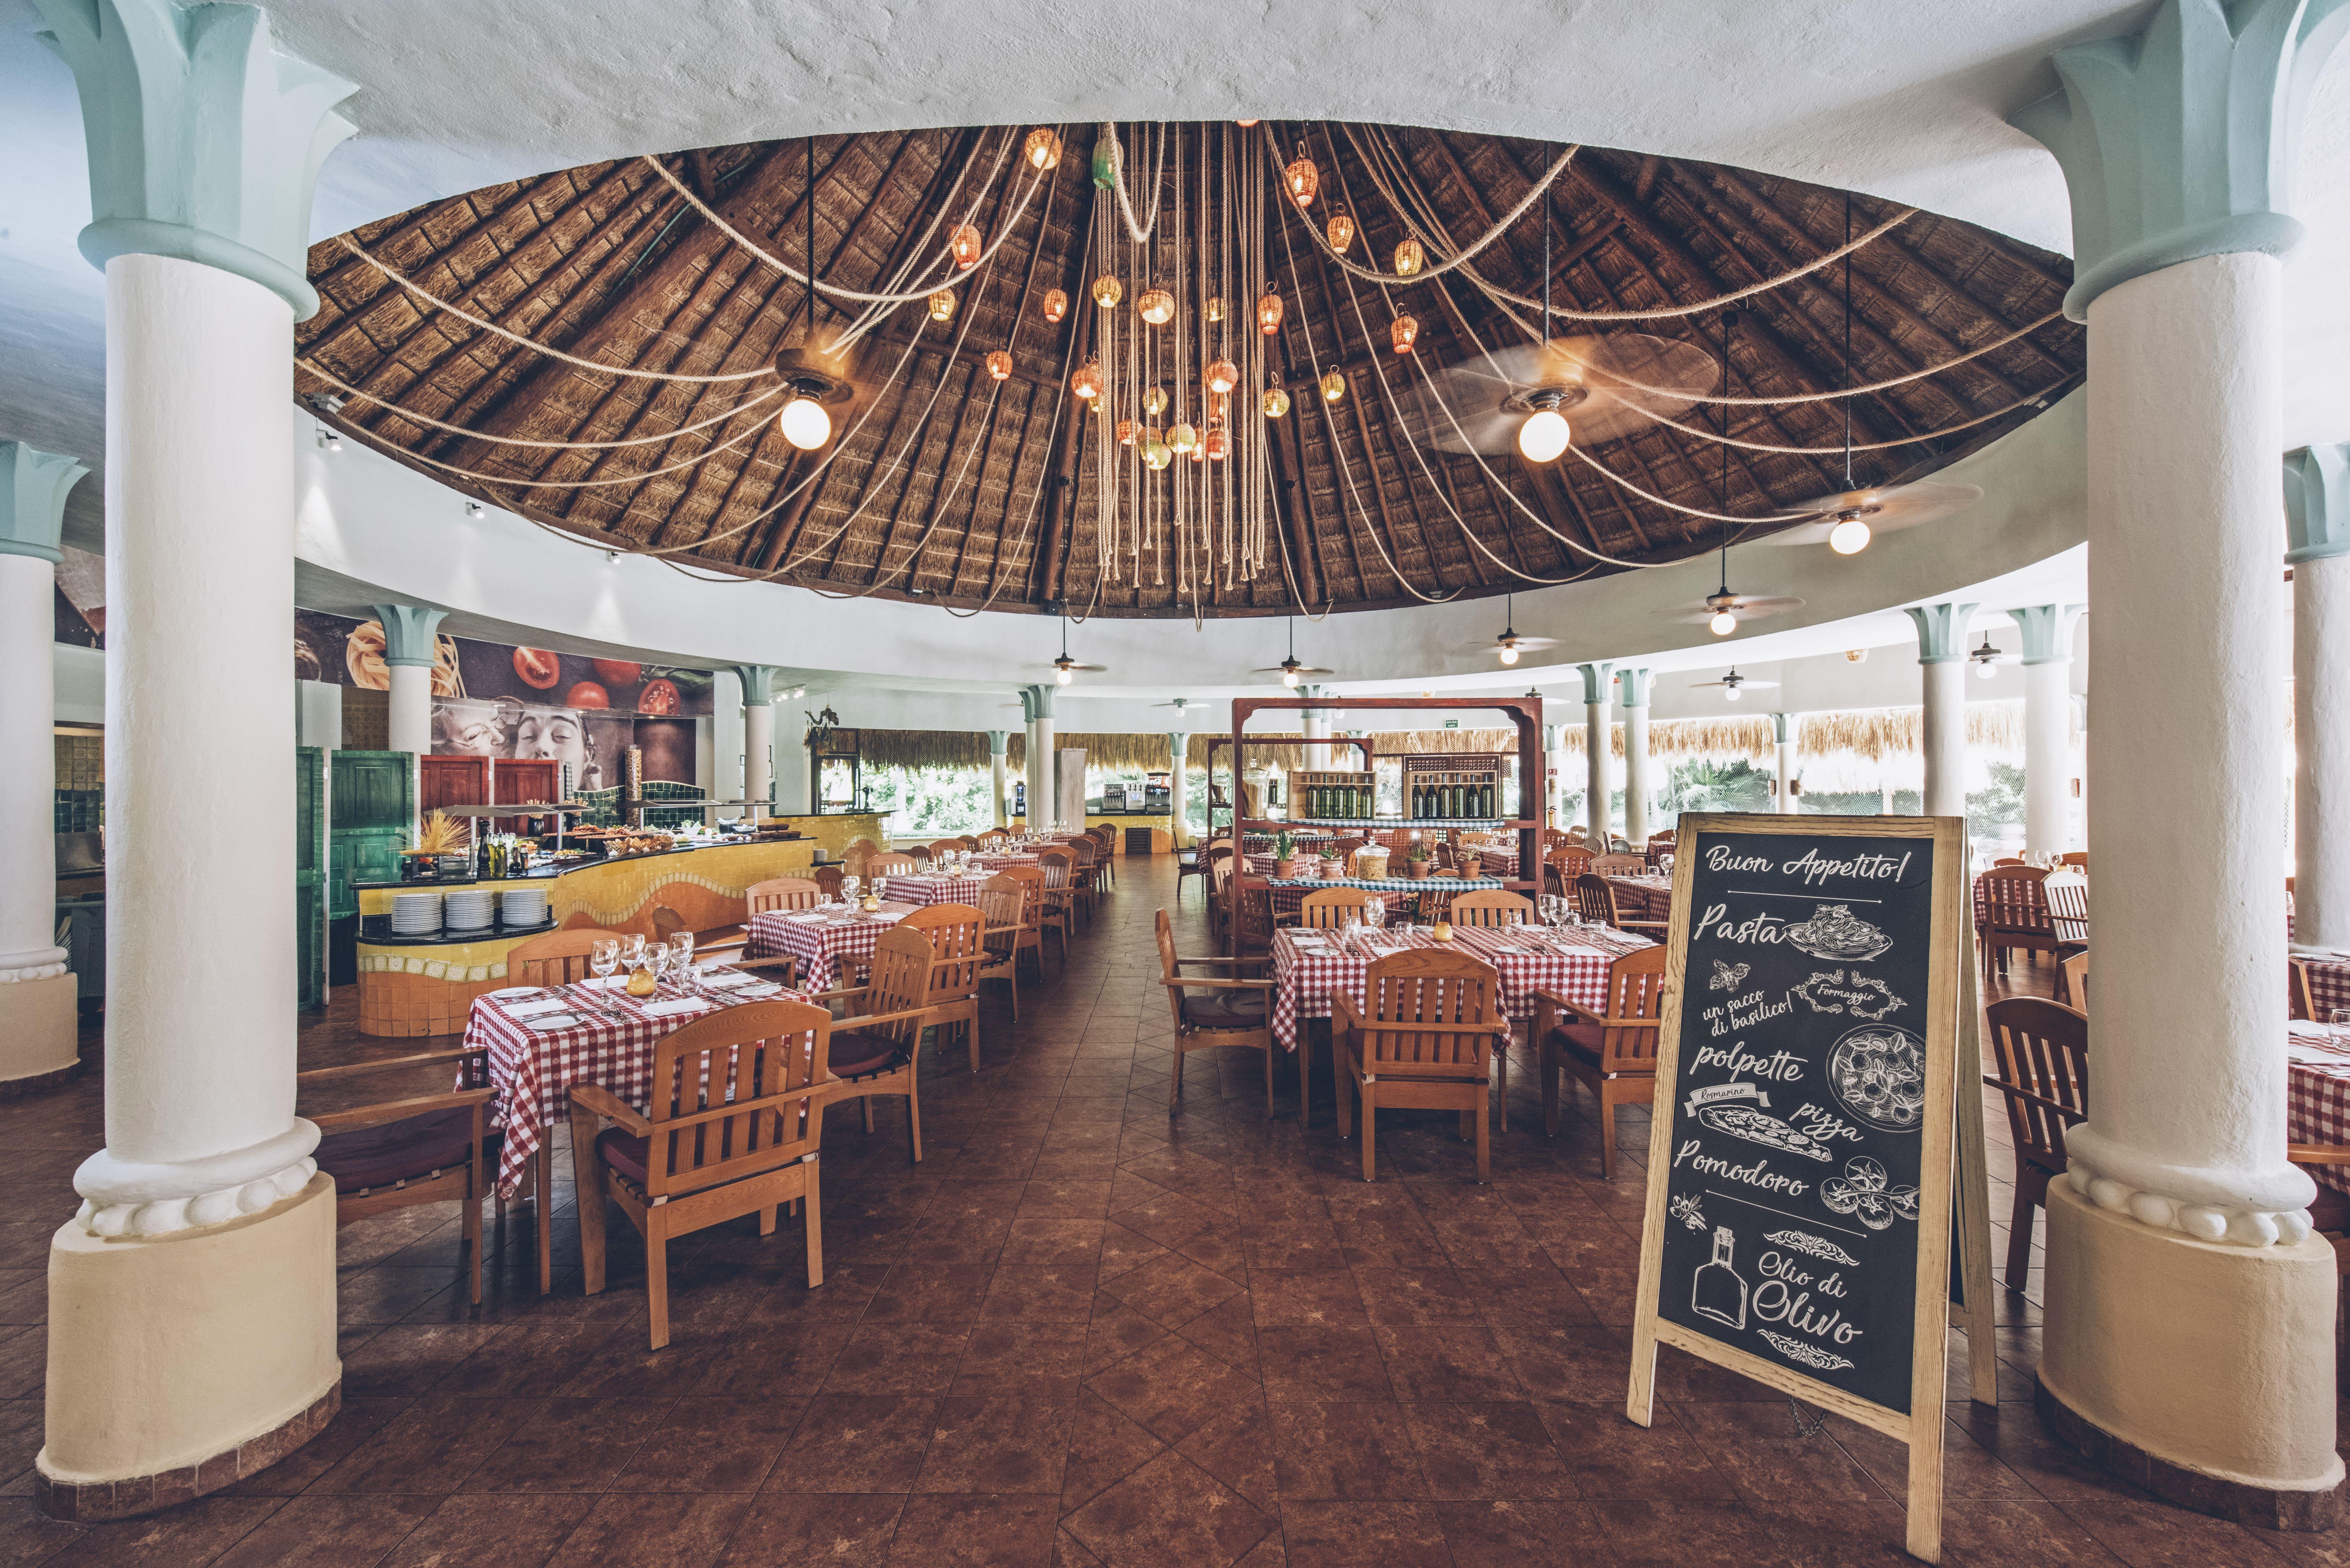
[453,780]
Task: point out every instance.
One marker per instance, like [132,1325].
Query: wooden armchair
[876,1042]
[1086,874]
[2075,971]
[558,958]
[1105,838]
[1231,1010]
[1613,1052]
[737,1116]
[2041,1052]
[1012,910]
[2015,917]
[956,956]
[427,1148]
[1595,900]
[1422,1037]
[938,846]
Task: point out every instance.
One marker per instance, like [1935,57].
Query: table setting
[935,888]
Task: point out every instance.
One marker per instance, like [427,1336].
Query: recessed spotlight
[327,440]
[475,509]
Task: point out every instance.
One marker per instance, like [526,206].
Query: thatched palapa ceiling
[490,372]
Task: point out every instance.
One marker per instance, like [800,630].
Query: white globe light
[805,424]
[1289,678]
[1849,537]
[1544,435]
[1985,669]
[1509,654]
[1065,676]
[1729,694]
[1722,624]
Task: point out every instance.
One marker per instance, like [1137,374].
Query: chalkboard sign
[1799,1214]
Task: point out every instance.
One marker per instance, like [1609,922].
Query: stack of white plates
[415,914]
[523,906]
[470,909]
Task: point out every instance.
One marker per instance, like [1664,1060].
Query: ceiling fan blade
[1478,404]
[1536,644]
[1887,510]
[1745,607]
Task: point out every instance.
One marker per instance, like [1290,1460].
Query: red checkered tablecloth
[833,945]
[2317,1092]
[532,1069]
[2329,985]
[1003,862]
[1643,898]
[931,889]
[1527,957]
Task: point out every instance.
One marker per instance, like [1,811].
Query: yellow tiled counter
[1161,825]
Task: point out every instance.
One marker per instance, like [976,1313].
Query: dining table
[2329,982]
[1004,862]
[933,887]
[2317,1092]
[833,945]
[1642,896]
[1309,967]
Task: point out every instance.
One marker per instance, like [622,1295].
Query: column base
[2201,1371]
[40,1032]
[182,1363]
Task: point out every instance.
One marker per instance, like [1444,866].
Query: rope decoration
[410,416]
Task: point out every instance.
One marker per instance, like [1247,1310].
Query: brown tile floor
[1084,1332]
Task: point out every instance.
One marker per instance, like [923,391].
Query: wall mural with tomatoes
[493,700]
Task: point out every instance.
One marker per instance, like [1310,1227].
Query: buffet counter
[411,985]
[1160,825]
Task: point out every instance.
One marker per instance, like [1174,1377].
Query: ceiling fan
[1732,683]
[1179,704]
[1511,644]
[1483,404]
[1065,669]
[1987,658]
[1846,521]
[1291,668]
[819,380]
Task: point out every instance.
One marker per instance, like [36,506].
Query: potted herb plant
[1284,856]
[1333,868]
[1417,861]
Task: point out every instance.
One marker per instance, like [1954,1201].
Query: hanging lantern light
[999,364]
[1107,290]
[1342,232]
[1125,433]
[1157,307]
[1056,304]
[1183,437]
[1155,454]
[1215,307]
[1409,258]
[1200,453]
[1043,149]
[1268,313]
[1302,180]
[1085,381]
[1334,386]
[1276,403]
[1221,376]
[1154,401]
[966,246]
[942,304]
[1404,331]
[1109,159]
[1216,445]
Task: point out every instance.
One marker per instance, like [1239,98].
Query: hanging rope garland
[410,416]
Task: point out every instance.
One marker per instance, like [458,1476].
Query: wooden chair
[1234,1011]
[1012,908]
[920,854]
[1332,907]
[1595,900]
[941,846]
[1490,907]
[853,858]
[828,879]
[877,1040]
[1572,861]
[1612,1052]
[737,1117]
[427,1148]
[890,863]
[784,893]
[1617,865]
[956,955]
[1423,1037]
[994,838]
[558,958]
[2041,1052]
[1188,864]
[2077,858]
[2075,971]
[2300,1003]
[1105,855]
[1086,874]
[2016,917]
[2010,861]
[1060,895]
[717,941]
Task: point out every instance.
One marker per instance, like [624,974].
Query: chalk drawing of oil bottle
[1718,1292]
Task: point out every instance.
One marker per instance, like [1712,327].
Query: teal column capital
[1179,744]
[1941,631]
[204,138]
[409,633]
[1781,731]
[2181,141]
[2317,503]
[1596,679]
[758,684]
[34,485]
[2047,631]
[999,743]
[1635,685]
[1037,703]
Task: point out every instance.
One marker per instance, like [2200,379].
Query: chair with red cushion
[736,1118]
[1214,1011]
[429,1149]
[1613,1051]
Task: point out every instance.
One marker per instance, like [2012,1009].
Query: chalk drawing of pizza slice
[1759,1127]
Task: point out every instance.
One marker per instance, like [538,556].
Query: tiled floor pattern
[1085,1331]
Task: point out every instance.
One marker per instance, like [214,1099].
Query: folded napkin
[535,1009]
[725,978]
[805,919]
[556,1021]
[608,983]
[674,1006]
[886,917]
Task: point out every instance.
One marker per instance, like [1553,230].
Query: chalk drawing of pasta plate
[1833,932]
[1879,1071]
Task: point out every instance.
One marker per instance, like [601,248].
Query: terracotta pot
[1285,868]
[1419,868]
[1332,870]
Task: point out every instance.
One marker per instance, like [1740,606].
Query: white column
[2047,722]
[1942,671]
[1178,787]
[758,734]
[1316,727]
[38,1021]
[1634,687]
[1782,734]
[2317,511]
[410,636]
[726,737]
[1000,786]
[1595,732]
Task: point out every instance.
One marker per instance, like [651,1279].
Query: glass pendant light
[805,423]
[1276,401]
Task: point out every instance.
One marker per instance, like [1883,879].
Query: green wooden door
[310,877]
[374,807]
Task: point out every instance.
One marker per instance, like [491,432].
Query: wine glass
[632,950]
[603,957]
[1374,914]
[2342,1018]
[849,886]
[680,959]
[656,959]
